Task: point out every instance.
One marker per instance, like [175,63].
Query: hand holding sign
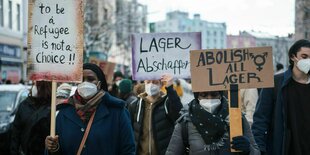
[167,79]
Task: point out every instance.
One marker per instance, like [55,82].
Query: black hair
[196,94]
[279,66]
[296,48]
[97,70]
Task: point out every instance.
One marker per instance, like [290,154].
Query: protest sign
[216,69]
[106,67]
[55,40]
[156,53]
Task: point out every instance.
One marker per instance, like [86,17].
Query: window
[1,13]
[214,33]
[10,15]
[18,17]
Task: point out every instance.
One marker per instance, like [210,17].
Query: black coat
[164,115]
[270,118]
[30,127]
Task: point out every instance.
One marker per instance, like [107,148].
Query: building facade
[280,45]
[11,40]
[240,41]
[107,29]
[213,35]
[131,17]
[302,19]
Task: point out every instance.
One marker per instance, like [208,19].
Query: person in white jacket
[249,98]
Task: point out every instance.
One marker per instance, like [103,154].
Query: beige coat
[249,98]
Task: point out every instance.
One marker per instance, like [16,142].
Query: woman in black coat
[31,123]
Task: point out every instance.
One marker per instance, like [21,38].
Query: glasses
[212,94]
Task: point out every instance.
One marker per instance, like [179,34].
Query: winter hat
[125,86]
[118,74]
[63,91]
[99,73]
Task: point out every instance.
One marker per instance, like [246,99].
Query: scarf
[86,108]
[212,127]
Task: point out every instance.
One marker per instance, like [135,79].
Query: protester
[63,93]
[117,77]
[248,100]
[279,68]
[125,92]
[282,113]
[176,86]
[92,109]
[32,121]
[8,82]
[153,116]
[204,129]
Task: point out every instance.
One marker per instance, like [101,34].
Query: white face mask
[210,105]
[152,89]
[304,65]
[118,82]
[34,91]
[87,90]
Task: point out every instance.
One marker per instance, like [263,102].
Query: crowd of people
[149,118]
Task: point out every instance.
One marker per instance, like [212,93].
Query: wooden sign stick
[235,118]
[53,109]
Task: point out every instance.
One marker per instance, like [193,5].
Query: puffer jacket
[164,115]
[197,144]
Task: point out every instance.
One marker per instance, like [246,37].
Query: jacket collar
[287,77]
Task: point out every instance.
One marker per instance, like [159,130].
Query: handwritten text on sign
[157,53]
[217,69]
[55,40]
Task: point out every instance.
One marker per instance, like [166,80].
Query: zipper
[150,129]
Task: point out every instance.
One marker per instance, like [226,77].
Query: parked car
[10,97]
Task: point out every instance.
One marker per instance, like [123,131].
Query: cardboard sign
[156,53]
[106,67]
[216,69]
[55,40]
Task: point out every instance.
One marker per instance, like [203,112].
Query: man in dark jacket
[153,116]
[281,114]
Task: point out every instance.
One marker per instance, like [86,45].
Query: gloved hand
[241,143]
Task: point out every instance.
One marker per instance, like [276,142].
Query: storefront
[11,65]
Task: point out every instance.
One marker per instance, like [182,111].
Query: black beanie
[99,74]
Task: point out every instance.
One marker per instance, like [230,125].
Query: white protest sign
[156,53]
[55,40]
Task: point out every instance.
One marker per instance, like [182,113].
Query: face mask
[118,82]
[210,105]
[304,65]
[152,89]
[87,90]
[34,91]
